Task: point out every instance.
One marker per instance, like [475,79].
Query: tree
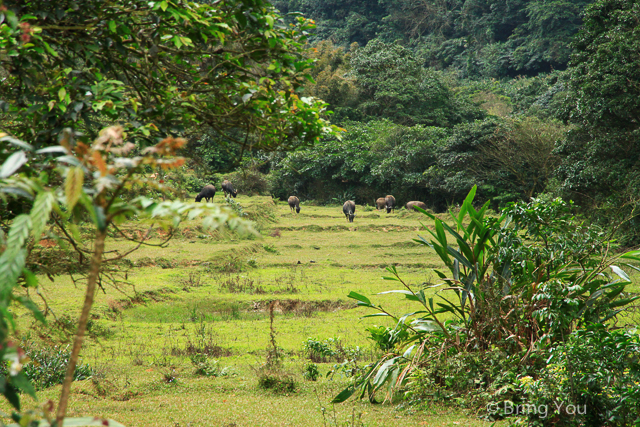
[156,68]
[601,164]
[167,67]
[82,182]
[394,85]
[522,156]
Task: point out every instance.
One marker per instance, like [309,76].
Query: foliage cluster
[47,366]
[518,288]
[595,370]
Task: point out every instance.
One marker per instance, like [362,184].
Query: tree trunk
[94,272]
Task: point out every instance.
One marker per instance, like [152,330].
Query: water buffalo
[227,187]
[207,192]
[349,209]
[390,203]
[412,205]
[294,203]
[381,203]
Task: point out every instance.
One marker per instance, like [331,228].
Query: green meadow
[211,291]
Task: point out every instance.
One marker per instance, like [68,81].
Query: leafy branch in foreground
[81,183]
[233,69]
[517,283]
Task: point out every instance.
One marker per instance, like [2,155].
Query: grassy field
[209,291]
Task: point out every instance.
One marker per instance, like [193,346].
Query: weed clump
[48,366]
[206,366]
[278,382]
[311,372]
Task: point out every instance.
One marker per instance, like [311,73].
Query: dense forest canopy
[480,38]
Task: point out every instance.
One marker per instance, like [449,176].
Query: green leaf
[17,143]
[49,49]
[620,273]
[425,325]
[344,394]
[12,164]
[269,20]
[73,186]
[62,93]
[383,373]
[457,255]
[12,262]
[30,278]
[10,393]
[361,298]
[376,315]
[112,26]
[40,213]
[21,382]
[442,237]
[30,305]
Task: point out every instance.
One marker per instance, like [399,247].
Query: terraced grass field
[211,292]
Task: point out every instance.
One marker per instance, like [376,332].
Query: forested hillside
[523,98]
[480,38]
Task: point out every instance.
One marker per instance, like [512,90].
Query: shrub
[311,372]
[206,366]
[520,282]
[277,381]
[466,379]
[593,379]
[48,366]
[250,181]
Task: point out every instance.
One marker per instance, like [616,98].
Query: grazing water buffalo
[381,203]
[294,203]
[390,203]
[412,205]
[349,209]
[227,187]
[207,192]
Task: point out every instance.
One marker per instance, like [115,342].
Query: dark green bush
[276,381]
[593,379]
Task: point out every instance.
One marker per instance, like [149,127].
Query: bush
[48,366]
[206,366]
[250,181]
[591,380]
[522,282]
[277,381]
[311,372]
[466,379]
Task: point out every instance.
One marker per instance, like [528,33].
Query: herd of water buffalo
[349,207]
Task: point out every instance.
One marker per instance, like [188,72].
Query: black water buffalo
[381,203]
[294,203]
[349,209]
[207,192]
[411,205]
[390,203]
[227,187]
